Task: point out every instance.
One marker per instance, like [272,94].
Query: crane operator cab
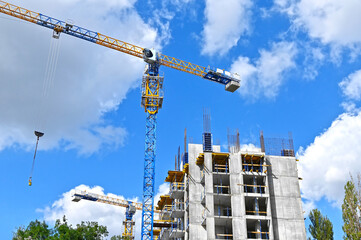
[150,55]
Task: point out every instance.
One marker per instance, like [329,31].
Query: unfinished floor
[232,195]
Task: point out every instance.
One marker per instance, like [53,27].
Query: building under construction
[239,194]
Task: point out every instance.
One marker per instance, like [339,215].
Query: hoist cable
[32,167]
[48,84]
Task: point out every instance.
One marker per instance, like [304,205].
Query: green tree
[118,237]
[61,231]
[320,227]
[351,210]
[35,230]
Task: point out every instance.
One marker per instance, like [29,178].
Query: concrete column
[208,163]
[285,199]
[185,205]
[239,227]
[196,230]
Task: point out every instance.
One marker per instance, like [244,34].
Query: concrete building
[238,194]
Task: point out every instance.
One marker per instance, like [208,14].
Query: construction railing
[163,232]
[258,235]
[165,213]
[221,189]
[250,167]
[258,213]
[178,206]
[177,225]
[220,168]
[224,236]
[176,186]
[223,212]
[249,188]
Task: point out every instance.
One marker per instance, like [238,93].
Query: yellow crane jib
[130,206]
[232,81]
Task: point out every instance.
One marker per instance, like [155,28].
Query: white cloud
[90,80]
[162,190]
[164,11]
[350,107]
[265,76]
[330,21]
[326,163]
[107,215]
[282,3]
[314,57]
[250,148]
[226,21]
[351,85]
[307,206]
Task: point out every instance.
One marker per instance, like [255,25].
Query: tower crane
[152,87]
[130,206]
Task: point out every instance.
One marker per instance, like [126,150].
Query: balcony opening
[254,184]
[256,206]
[257,229]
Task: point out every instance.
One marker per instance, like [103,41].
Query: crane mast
[152,88]
[152,99]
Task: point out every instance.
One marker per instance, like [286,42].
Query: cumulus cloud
[90,80]
[330,21]
[107,215]
[351,85]
[307,206]
[162,190]
[265,76]
[314,57]
[226,21]
[163,16]
[250,148]
[350,107]
[326,163]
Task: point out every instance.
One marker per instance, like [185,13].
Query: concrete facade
[237,195]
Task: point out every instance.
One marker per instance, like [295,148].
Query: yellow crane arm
[232,81]
[78,195]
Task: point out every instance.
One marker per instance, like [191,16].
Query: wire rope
[48,85]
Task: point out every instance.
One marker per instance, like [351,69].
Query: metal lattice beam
[152,97]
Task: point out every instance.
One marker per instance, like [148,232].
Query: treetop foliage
[321,227]
[37,230]
[351,210]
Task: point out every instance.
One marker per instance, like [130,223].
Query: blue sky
[299,62]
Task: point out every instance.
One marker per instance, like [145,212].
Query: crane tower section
[152,100]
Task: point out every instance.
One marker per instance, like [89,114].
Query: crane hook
[38,135]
